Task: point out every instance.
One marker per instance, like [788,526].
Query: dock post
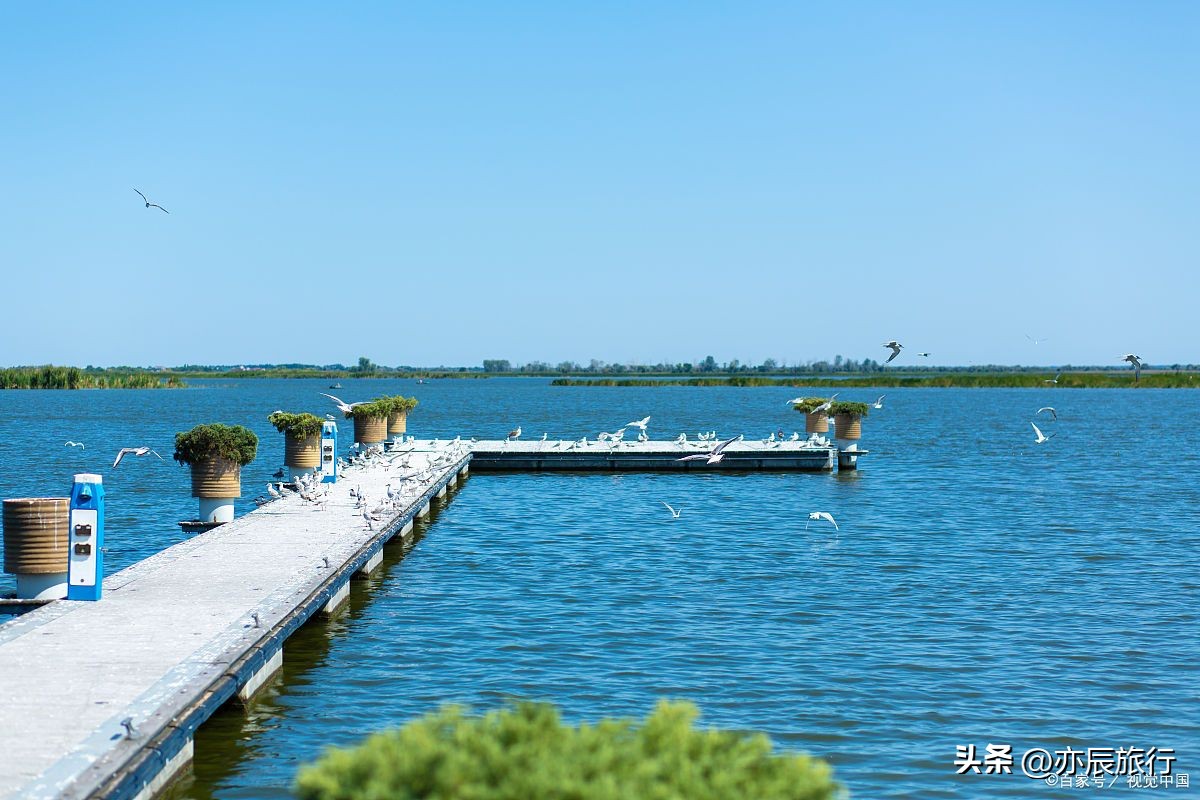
[329,432]
[848,429]
[263,674]
[86,532]
[36,546]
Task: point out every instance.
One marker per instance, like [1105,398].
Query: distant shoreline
[1081,380]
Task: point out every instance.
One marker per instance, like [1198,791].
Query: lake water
[982,589]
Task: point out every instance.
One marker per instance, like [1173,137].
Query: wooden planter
[35,535]
[397,423]
[849,426]
[302,453]
[216,478]
[816,422]
[370,430]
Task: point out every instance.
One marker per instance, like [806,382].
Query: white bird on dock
[75,444]
[896,348]
[795,436]
[682,439]
[879,403]
[769,439]
[674,513]
[133,451]
[1053,413]
[271,490]
[641,423]
[1040,436]
[515,434]
[822,515]
[344,407]
[643,437]
[713,456]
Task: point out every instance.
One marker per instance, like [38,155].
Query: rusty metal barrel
[370,430]
[36,543]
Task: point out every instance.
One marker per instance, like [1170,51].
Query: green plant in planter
[203,442]
[399,404]
[298,426]
[379,407]
[525,752]
[848,407]
[810,404]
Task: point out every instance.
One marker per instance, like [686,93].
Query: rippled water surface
[982,589]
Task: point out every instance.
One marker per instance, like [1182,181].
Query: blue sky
[572,181]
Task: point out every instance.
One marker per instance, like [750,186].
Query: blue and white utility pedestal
[85,531]
[329,452]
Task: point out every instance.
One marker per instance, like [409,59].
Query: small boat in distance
[335,386]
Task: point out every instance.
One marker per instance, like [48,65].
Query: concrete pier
[653,456]
[186,630]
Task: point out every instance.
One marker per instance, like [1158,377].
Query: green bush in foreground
[526,753]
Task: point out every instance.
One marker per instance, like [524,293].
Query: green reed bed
[51,377]
[1079,380]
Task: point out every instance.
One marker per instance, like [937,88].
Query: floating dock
[102,698]
[652,456]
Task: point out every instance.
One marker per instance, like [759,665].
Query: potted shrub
[370,421]
[398,408]
[301,440]
[847,417]
[216,453]
[814,421]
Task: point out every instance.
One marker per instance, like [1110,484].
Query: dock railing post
[85,532]
[329,432]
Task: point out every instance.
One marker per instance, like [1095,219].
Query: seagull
[794,401]
[879,403]
[828,404]
[271,490]
[153,205]
[641,423]
[1054,414]
[515,434]
[545,436]
[1053,380]
[674,513]
[133,451]
[822,515]
[1137,362]
[75,444]
[1040,436]
[896,346]
[345,408]
[926,355]
[713,456]
[1035,341]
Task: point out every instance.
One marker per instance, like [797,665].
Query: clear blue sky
[605,180]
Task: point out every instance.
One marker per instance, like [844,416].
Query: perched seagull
[879,403]
[713,456]
[515,434]
[1040,436]
[1053,380]
[75,444]
[345,408]
[682,439]
[152,205]
[674,513]
[641,423]
[822,515]
[1137,362]
[277,473]
[271,490]
[1054,414]
[896,347]
[133,451]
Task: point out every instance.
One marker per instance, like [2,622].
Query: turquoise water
[982,589]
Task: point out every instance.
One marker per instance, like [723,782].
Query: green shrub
[298,426]
[848,407]
[378,407]
[231,442]
[526,753]
[398,404]
[809,404]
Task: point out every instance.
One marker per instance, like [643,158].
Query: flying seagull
[926,355]
[133,451]
[1040,436]
[1137,362]
[713,456]
[642,423]
[345,408]
[819,515]
[1053,380]
[152,205]
[75,444]
[896,346]
[828,404]
[879,403]
[674,513]
[1035,341]
[1053,413]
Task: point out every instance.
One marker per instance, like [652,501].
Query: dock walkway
[651,456]
[102,698]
